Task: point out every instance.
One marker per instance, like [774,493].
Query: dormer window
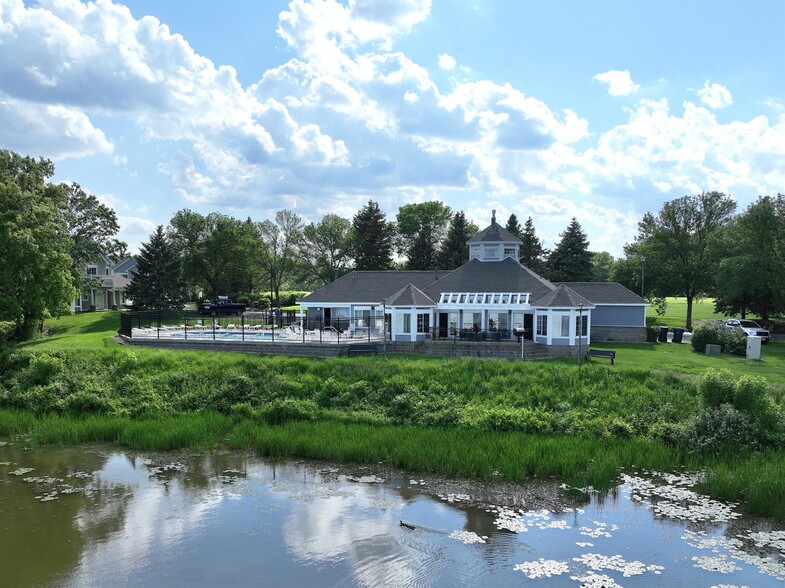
[91,270]
[491,252]
[509,251]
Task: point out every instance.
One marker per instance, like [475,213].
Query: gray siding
[618,316]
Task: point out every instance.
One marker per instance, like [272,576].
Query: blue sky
[595,110]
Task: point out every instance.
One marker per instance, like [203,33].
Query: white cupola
[494,243]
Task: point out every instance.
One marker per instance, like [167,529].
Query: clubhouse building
[492,297]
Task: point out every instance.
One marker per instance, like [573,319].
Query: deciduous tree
[35,273]
[325,249]
[280,240]
[218,252]
[421,228]
[679,245]
[750,272]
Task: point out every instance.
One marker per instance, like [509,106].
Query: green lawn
[94,330]
[676,312]
[672,358]
[83,330]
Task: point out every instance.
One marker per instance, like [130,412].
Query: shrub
[230,390]
[42,368]
[707,334]
[282,410]
[732,341]
[716,388]
[6,332]
[720,429]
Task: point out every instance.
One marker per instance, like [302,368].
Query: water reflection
[95,517]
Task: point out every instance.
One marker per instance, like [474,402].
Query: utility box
[753,347]
[713,349]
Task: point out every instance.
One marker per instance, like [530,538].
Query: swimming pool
[238,336]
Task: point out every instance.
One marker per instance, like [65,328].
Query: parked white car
[751,328]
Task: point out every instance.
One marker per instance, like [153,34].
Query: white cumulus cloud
[619,82]
[447,62]
[715,95]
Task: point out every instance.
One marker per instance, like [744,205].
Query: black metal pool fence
[287,326]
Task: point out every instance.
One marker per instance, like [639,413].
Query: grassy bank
[449,416]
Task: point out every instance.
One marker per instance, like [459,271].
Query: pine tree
[157,283]
[533,254]
[570,261]
[514,226]
[455,248]
[372,239]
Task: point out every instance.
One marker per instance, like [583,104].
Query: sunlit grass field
[676,312]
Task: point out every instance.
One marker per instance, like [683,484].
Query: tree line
[695,246]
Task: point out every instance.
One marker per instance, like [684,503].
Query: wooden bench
[604,353]
[361,349]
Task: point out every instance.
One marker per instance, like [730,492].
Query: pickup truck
[221,306]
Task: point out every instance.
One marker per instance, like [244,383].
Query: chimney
[493,217]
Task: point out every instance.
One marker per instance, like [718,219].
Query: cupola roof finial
[493,217]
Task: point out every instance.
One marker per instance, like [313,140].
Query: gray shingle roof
[606,293]
[499,276]
[409,295]
[563,297]
[495,232]
[372,286]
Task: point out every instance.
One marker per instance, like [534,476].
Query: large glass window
[565,326]
[542,325]
[361,318]
[498,321]
[581,325]
[407,323]
[423,323]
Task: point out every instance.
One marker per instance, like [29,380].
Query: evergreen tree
[454,251]
[157,283]
[570,261]
[533,254]
[372,239]
[514,226]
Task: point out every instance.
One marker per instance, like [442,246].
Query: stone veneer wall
[619,334]
[505,350]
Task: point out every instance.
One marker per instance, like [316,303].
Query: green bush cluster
[736,415]
[732,341]
[488,395]
[7,329]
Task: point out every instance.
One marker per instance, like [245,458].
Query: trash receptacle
[677,335]
[663,338]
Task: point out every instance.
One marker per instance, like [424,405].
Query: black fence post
[242,326]
[185,319]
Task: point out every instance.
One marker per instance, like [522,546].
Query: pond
[93,516]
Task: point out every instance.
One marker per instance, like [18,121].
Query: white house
[492,296]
